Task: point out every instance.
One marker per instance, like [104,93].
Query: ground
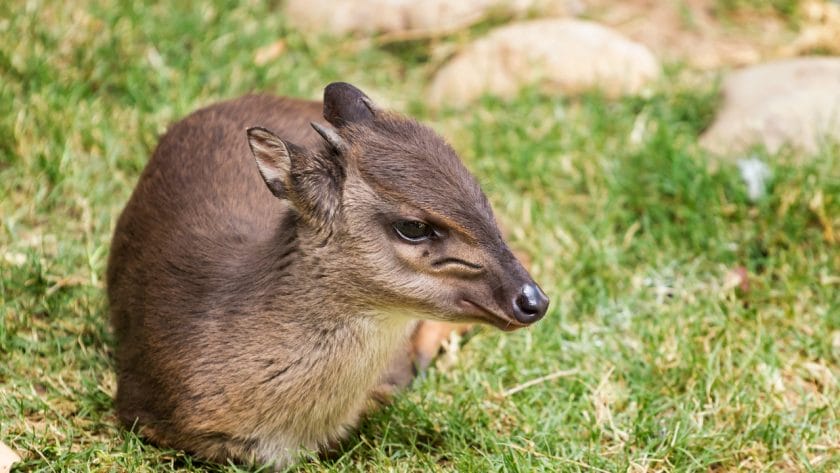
[691,329]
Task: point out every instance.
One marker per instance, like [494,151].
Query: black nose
[530,304]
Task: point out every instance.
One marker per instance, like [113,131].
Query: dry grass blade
[541,379]
[556,458]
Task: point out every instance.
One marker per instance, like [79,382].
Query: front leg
[423,346]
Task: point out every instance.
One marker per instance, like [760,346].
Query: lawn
[691,329]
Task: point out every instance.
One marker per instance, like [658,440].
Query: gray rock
[415,19]
[559,55]
[755,174]
[794,101]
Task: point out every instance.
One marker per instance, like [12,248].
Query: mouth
[483,314]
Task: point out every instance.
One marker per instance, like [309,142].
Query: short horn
[330,136]
[370,105]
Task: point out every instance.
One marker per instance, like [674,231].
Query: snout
[529,304]
[503,295]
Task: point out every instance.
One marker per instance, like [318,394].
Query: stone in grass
[558,55]
[7,458]
[755,174]
[793,101]
[413,19]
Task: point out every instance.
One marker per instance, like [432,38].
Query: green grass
[787,9]
[630,227]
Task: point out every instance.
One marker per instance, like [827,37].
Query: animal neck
[295,273]
[292,296]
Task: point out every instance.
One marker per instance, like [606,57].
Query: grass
[631,228]
[785,8]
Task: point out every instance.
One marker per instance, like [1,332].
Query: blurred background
[669,168]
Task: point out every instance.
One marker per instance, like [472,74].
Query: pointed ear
[312,183]
[273,159]
[344,104]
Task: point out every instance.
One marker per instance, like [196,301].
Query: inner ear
[311,182]
[344,104]
[273,159]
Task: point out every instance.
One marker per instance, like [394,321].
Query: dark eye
[414,230]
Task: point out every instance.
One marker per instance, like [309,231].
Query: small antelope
[259,309]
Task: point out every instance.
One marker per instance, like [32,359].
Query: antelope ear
[273,159]
[312,183]
[344,104]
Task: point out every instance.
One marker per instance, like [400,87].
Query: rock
[7,458]
[560,55]
[820,30]
[794,101]
[755,174]
[416,18]
[694,32]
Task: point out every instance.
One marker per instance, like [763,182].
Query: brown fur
[250,326]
